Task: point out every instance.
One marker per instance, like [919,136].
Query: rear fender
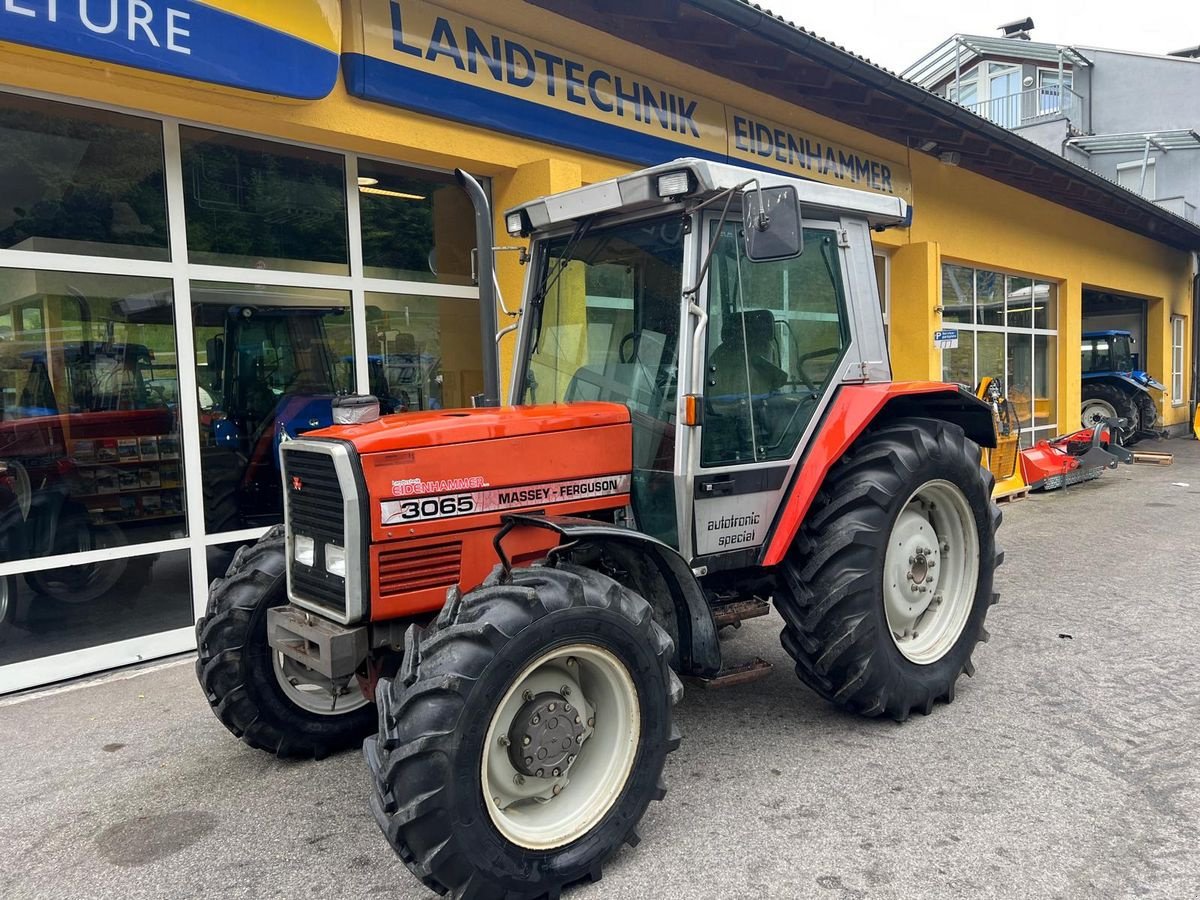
[699,652]
[1126,382]
[853,409]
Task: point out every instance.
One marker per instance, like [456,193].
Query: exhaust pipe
[486,279]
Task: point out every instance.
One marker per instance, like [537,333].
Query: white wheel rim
[5,599]
[542,813]
[313,692]
[930,572]
[1097,412]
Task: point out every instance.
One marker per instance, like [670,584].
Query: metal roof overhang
[1127,142]
[748,45]
[961,50]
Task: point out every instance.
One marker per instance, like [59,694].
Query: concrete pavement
[1068,767]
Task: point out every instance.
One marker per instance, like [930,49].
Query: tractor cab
[658,291]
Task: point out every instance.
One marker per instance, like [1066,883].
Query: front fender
[699,650]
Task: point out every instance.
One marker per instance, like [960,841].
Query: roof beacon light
[674,184]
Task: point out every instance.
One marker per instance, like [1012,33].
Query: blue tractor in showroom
[1114,387]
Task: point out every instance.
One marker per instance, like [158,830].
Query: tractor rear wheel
[265,699]
[524,735]
[887,585]
[1102,402]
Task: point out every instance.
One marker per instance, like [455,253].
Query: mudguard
[699,650]
[1139,381]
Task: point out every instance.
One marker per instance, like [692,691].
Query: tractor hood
[439,428]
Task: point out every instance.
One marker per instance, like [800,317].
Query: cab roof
[639,191]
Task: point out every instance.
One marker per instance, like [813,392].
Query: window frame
[180,273]
[1151,176]
[1178,360]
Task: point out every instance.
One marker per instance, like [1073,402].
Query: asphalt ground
[1069,766]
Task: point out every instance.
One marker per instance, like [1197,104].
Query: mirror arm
[692,292]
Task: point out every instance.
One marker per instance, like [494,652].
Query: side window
[776,333]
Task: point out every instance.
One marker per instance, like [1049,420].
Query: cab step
[735,612]
[730,676]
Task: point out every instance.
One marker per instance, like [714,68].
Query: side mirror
[771,224]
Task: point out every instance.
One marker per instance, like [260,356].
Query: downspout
[486,278]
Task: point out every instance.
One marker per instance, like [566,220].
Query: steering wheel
[633,339]
[816,354]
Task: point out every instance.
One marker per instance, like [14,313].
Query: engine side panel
[433,511]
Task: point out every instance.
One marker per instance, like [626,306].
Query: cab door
[773,343]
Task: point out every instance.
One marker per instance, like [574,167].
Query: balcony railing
[1034,105]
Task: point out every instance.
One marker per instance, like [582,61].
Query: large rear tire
[267,701]
[473,797]
[886,587]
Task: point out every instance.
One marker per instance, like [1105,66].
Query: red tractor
[502,601]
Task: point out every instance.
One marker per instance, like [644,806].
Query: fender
[699,650]
[1139,381]
[852,410]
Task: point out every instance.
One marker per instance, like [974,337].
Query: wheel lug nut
[529,760]
[556,790]
[557,772]
[910,576]
[552,707]
[579,738]
[566,707]
[504,741]
[915,588]
[591,721]
[536,719]
[570,759]
[570,660]
[527,696]
[565,690]
[497,799]
[525,741]
[518,778]
[577,720]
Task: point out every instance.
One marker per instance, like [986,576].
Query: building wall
[1131,92]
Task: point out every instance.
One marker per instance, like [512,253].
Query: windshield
[608,326]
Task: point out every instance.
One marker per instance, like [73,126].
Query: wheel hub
[913,576]
[545,736]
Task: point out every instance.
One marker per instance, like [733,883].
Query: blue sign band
[396,85]
[189,40]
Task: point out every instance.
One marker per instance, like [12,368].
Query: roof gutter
[740,14]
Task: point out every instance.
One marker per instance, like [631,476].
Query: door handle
[717,487]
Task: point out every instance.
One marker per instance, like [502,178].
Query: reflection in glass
[958,364]
[1045,305]
[1020,375]
[249,202]
[416,225]
[423,352]
[957,293]
[989,298]
[268,361]
[50,612]
[1021,298]
[89,442]
[79,180]
[1045,372]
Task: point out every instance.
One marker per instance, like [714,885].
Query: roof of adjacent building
[960,51]
[749,45]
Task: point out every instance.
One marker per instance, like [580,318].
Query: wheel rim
[551,810]
[930,572]
[5,599]
[314,693]
[1097,412]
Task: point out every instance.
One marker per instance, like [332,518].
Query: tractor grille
[407,569]
[315,509]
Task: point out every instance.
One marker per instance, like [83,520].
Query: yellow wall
[959,216]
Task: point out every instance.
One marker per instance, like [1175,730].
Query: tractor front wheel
[525,734]
[887,585]
[260,695]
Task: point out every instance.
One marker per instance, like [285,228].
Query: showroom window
[1007,327]
[174,301]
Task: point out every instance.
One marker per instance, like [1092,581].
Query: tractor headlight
[517,223]
[335,560]
[304,550]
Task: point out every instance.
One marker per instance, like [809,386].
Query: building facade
[211,214]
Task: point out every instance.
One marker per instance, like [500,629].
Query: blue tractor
[1114,387]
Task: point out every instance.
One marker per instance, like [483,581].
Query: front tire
[1102,402]
[473,797]
[267,701]
[886,587]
